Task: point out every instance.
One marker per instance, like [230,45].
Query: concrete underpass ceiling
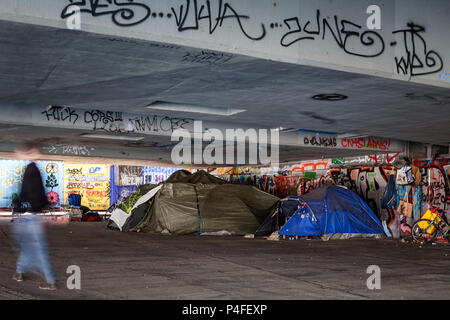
[151,148]
[42,66]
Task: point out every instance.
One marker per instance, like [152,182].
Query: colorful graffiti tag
[156,175]
[128,178]
[91,181]
[369,182]
[11,172]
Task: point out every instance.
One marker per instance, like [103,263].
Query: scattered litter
[216,233]
[165,231]
[249,236]
[274,236]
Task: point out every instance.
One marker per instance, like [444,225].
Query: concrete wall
[411,45]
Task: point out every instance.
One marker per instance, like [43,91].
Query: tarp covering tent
[132,209]
[178,175]
[332,211]
[198,203]
[184,176]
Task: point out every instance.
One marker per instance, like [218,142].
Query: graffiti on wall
[282,182]
[415,61]
[356,143]
[11,174]
[369,182]
[130,175]
[156,175]
[387,159]
[413,55]
[280,185]
[111,121]
[207,57]
[91,181]
[320,141]
[69,150]
[187,16]
[366,143]
[138,175]
[345,33]
[123,13]
[128,178]
[435,186]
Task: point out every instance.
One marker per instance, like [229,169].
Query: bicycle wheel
[424,230]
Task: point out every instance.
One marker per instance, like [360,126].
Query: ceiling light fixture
[281,129]
[330,97]
[194,108]
[352,135]
[111,137]
[317,131]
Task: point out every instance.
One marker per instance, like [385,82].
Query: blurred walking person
[27,228]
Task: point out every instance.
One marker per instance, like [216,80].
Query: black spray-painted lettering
[344,33]
[127,13]
[62,114]
[102,119]
[123,13]
[188,17]
[350,37]
[207,57]
[320,141]
[165,124]
[416,62]
[111,121]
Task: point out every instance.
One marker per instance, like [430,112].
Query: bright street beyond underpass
[116,265]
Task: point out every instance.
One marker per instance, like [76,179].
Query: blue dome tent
[332,211]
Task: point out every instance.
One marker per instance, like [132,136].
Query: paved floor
[117,265]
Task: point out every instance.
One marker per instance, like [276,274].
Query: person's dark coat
[33,189]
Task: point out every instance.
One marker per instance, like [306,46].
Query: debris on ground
[274,236]
[216,233]
[249,236]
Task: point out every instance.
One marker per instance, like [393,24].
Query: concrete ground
[117,265]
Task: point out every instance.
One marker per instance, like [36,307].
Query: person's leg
[14,231]
[41,251]
[25,245]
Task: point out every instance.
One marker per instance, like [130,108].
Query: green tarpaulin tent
[197,203]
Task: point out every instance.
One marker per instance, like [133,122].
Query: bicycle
[429,226]
[116,204]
